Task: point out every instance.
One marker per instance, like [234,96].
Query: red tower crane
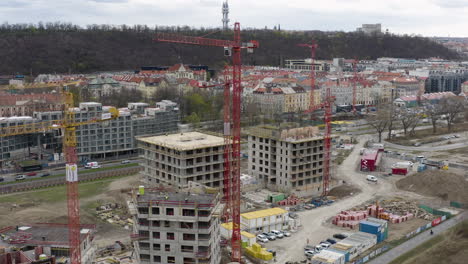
[232,105]
[313,47]
[326,104]
[355,79]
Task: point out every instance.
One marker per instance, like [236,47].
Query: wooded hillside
[61,47]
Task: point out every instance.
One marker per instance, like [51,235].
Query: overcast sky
[425,17]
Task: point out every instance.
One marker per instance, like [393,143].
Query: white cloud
[427,17]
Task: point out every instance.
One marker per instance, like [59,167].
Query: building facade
[286,159]
[177,228]
[177,159]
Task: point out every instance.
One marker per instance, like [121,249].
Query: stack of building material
[291,200]
[372,210]
[396,219]
[349,219]
[257,251]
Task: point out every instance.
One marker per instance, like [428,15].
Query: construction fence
[408,236]
[31,185]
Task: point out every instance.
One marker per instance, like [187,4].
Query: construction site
[274,194]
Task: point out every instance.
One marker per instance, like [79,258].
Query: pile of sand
[446,185]
[344,191]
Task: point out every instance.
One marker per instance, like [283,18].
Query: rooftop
[264,213]
[185,141]
[183,199]
[40,234]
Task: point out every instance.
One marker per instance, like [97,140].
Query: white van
[371,178]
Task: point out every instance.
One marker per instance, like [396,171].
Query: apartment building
[100,140]
[286,159]
[177,159]
[176,227]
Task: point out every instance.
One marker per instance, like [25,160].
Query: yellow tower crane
[68,125]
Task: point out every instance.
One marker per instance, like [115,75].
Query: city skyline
[401,17]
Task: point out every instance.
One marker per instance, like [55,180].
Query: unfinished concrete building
[48,240]
[181,228]
[287,159]
[177,159]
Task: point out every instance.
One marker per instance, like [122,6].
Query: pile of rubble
[401,207]
[114,213]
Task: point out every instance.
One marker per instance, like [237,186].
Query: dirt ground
[443,184]
[56,212]
[397,231]
[344,190]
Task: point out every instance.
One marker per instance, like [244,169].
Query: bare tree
[434,112]
[409,120]
[379,122]
[451,108]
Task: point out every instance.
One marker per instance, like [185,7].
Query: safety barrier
[47,183]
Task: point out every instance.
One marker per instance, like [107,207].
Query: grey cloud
[452,3]
[109,1]
[13,3]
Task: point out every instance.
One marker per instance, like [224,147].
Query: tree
[433,111]
[193,119]
[409,120]
[451,107]
[379,121]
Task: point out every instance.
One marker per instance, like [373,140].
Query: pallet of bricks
[291,200]
[350,219]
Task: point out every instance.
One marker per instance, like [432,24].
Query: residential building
[102,86]
[436,81]
[464,88]
[286,159]
[49,239]
[306,65]
[177,159]
[27,104]
[406,86]
[176,227]
[370,29]
[412,101]
[108,139]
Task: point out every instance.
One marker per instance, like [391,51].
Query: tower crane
[232,129]
[68,125]
[326,104]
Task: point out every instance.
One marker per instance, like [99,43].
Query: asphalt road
[391,255]
[57,171]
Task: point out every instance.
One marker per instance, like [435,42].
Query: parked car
[44,174]
[20,177]
[340,236]
[262,238]
[1,179]
[309,253]
[456,136]
[125,162]
[277,233]
[371,178]
[270,236]
[325,245]
[286,233]
[417,144]
[309,248]
[293,215]
[31,173]
[309,207]
[331,241]
[318,248]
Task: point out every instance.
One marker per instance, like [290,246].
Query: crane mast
[232,129]
[326,104]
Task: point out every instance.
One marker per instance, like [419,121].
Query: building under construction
[39,242]
[176,227]
[287,159]
[178,159]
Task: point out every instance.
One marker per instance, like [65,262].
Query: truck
[92,165]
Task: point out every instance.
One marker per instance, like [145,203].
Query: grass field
[448,247]
[81,172]
[57,194]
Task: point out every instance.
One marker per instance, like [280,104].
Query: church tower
[225,15]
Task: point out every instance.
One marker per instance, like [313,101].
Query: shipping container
[375,226]
[345,253]
[400,171]
[328,257]
[369,160]
[356,244]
